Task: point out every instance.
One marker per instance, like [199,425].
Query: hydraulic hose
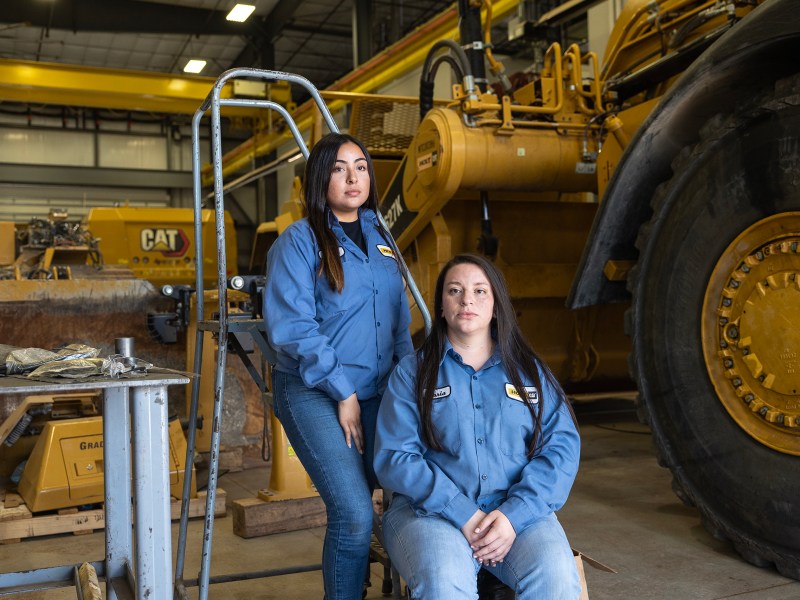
[428,73]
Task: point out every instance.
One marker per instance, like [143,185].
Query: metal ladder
[222,326]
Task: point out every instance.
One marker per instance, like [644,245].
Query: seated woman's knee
[554,584]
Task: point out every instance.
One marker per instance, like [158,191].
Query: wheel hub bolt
[737,382]
[749,398]
[726,302]
[760,255]
[728,363]
[733,332]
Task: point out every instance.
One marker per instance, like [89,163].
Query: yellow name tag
[385,250]
[532,392]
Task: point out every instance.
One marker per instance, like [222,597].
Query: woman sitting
[479,446]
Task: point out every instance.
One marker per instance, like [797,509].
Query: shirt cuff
[518,513]
[338,387]
[459,510]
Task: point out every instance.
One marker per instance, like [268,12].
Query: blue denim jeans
[344,478]
[434,558]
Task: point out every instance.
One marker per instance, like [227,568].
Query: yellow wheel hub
[751,331]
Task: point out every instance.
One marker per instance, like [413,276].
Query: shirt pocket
[444,415]
[388,272]
[516,427]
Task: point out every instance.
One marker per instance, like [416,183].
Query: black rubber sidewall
[735,178]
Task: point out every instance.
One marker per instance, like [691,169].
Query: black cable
[426,78]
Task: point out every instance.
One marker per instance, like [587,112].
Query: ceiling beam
[92,176]
[123,16]
[93,87]
[268,29]
[327,31]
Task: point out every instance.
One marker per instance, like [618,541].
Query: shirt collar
[363,213]
[494,359]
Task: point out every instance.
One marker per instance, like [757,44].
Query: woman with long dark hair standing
[479,446]
[337,317]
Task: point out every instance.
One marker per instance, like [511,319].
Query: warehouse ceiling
[312,38]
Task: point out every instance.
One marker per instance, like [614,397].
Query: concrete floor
[622,513]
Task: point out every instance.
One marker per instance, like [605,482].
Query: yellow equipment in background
[60,438]
[62,299]
[112,243]
[288,479]
[156,243]
[51,248]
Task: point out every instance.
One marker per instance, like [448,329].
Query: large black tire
[744,170]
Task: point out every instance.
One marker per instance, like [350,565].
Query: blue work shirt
[337,342]
[484,431]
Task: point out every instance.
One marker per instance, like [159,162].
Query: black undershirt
[353,231]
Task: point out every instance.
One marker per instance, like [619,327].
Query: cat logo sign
[170,242]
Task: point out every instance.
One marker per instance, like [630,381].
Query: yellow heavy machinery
[156,243]
[55,443]
[652,196]
[112,243]
[51,248]
[688,132]
[91,282]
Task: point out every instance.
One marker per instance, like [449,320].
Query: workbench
[138,558]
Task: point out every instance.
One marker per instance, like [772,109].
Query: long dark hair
[315,191]
[519,359]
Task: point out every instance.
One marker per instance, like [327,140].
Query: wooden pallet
[253,517]
[17,522]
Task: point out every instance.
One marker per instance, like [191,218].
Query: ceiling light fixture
[194,66]
[240,12]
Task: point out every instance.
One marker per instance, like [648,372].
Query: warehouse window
[132,151]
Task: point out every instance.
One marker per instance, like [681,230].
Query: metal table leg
[153,532]
[117,483]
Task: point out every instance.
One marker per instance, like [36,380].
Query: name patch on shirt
[442,392]
[385,250]
[532,392]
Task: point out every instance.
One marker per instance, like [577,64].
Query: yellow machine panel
[157,243]
[65,468]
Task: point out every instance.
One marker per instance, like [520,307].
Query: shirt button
[478,406]
[367,260]
[480,440]
[380,356]
[378,323]
[475,377]
[376,292]
[484,477]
